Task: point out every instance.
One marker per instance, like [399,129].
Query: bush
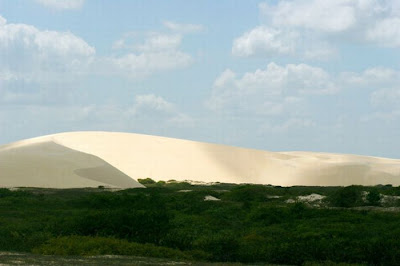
[5,192]
[248,193]
[347,197]
[223,246]
[374,197]
[134,225]
[146,181]
[91,246]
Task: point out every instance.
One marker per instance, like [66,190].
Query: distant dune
[91,159]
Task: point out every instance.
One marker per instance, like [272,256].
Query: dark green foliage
[247,225]
[374,197]
[248,193]
[146,181]
[222,246]
[83,245]
[347,197]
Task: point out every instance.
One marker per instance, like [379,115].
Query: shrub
[223,246]
[248,193]
[374,197]
[90,246]
[347,197]
[146,181]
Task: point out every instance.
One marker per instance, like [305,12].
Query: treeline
[249,223]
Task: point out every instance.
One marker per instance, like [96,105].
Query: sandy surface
[47,164]
[160,158]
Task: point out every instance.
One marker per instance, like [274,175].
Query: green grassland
[169,220]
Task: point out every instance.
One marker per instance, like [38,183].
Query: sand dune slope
[47,164]
[160,158]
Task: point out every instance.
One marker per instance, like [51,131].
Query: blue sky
[315,75]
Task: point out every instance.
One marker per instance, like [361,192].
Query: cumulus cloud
[155,108]
[381,84]
[45,67]
[152,102]
[291,27]
[157,52]
[31,54]
[62,4]
[271,91]
[281,97]
[264,40]
[385,32]
[314,14]
[144,64]
[375,78]
[275,80]
[183,28]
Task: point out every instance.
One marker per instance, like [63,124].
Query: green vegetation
[146,181]
[91,246]
[249,224]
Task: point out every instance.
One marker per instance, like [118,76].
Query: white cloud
[295,93]
[43,66]
[226,77]
[314,29]
[386,98]
[119,44]
[376,77]
[275,80]
[157,52]
[31,54]
[152,102]
[385,32]
[62,4]
[155,108]
[326,15]
[3,21]
[264,40]
[271,91]
[183,28]
[382,85]
[320,51]
[144,64]
[160,42]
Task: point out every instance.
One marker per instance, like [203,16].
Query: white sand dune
[44,163]
[91,158]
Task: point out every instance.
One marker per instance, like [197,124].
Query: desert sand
[79,159]
[43,163]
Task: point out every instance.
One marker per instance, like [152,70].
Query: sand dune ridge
[140,156]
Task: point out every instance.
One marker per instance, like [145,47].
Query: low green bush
[146,181]
[90,246]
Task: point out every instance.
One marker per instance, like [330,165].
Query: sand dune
[43,163]
[110,158]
